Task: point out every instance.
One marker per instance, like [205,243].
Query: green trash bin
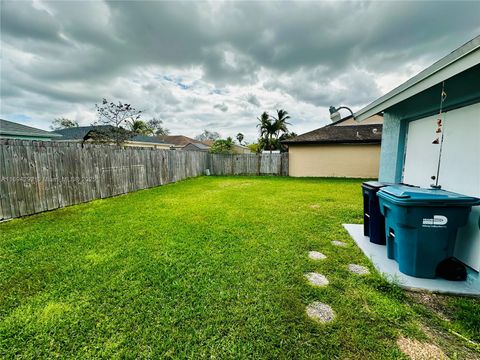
[421,226]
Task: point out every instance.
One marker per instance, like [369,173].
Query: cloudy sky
[217,65]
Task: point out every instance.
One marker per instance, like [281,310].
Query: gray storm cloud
[184,61]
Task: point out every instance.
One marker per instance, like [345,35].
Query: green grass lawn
[209,268]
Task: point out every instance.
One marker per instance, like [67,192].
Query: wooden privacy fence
[249,164]
[36,176]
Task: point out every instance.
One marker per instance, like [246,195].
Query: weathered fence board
[36,176]
[249,164]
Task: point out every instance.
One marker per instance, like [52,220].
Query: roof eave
[22,133]
[332,142]
[454,63]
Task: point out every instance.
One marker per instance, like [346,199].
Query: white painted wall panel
[459,167]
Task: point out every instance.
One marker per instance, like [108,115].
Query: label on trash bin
[436,221]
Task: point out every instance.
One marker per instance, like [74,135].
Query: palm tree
[280,122]
[240,137]
[141,128]
[267,129]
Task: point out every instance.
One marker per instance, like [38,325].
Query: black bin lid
[374,185]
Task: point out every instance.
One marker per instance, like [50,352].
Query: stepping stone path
[316,279]
[315,255]
[358,269]
[320,312]
[339,243]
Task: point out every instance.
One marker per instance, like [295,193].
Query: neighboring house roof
[81,132]
[454,63]
[362,134]
[10,128]
[208,142]
[178,140]
[350,121]
[198,145]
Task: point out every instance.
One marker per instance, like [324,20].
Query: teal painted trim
[392,149]
[401,151]
[462,90]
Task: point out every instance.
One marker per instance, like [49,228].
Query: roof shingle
[366,134]
[13,128]
[80,132]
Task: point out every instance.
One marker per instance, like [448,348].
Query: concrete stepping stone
[316,279]
[358,269]
[339,243]
[314,206]
[315,255]
[320,312]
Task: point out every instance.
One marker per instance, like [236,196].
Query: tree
[240,138]
[256,148]
[280,122]
[272,129]
[267,131]
[63,123]
[285,136]
[140,127]
[208,135]
[118,118]
[222,146]
[158,128]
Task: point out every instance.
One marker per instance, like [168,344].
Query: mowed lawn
[211,267]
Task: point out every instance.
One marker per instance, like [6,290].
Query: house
[237,149]
[431,134]
[196,146]
[13,130]
[341,149]
[86,133]
[179,141]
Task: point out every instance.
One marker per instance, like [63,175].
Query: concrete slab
[315,255]
[388,267]
[320,312]
[358,269]
[316,279]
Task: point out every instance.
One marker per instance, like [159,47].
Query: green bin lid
[407,195]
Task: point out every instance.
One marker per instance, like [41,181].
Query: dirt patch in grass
[417,350]
[453,345]
[441,324]
[432,301]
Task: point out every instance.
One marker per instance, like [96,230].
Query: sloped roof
[363,134]
[199,145]
[80,132]
[13,128]
[178,140]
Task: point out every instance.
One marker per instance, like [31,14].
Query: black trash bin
[373,220]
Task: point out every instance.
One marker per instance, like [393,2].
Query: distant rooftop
[200,145]
[10,128]
[80,132]
[179,140]
[363,134]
